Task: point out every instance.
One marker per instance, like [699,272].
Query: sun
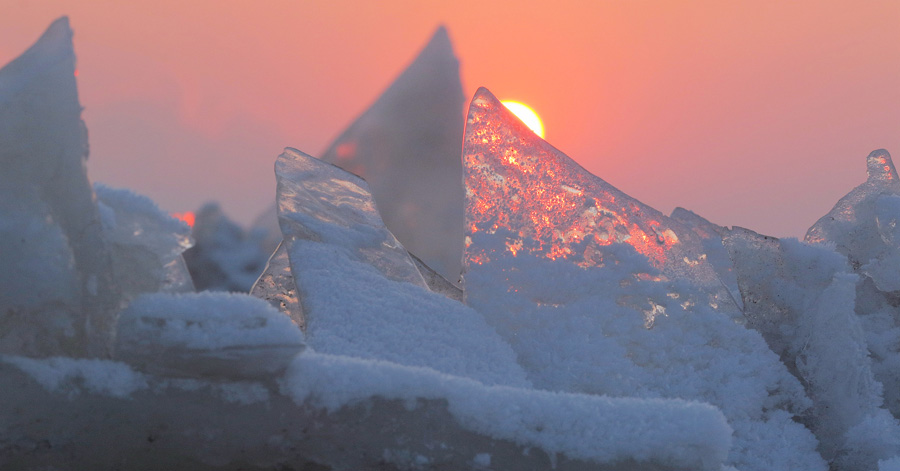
[527,115]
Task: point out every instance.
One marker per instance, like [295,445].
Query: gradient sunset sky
[751,113]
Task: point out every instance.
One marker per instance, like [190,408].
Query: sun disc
[527,115]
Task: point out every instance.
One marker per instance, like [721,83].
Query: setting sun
[527,115]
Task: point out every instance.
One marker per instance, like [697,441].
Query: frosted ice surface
[224,256]
[598,293]
[320,202]
[711,237]
[220,335]
[801,298]
[361,293]
[145,243]
[46,196]
[551,206]
[852,225]
[407,146]
[276,285]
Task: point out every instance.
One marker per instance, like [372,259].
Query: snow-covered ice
[592,333]
[587,314]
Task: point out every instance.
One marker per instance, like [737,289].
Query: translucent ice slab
[406,146]
[361,293]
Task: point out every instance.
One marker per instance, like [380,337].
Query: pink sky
[750,113]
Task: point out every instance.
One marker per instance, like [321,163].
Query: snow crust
[680,433]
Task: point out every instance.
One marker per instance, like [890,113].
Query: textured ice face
[599,293]
[550,206]
[853,224]
[360,291]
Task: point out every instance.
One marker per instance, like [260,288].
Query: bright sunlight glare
[527,115]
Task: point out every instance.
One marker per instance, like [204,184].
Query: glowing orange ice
[545,203]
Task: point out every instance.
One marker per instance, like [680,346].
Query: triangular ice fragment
[406,146]
[599,293]
[361,293]
[57,293]
[535,193]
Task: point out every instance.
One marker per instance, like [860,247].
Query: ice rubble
[597,333]
[214,381]
[406,146]
[543,266]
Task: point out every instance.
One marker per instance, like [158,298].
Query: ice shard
[361,293]
[276,286]
[599,293]
[406,146]
[801,299]
[550,206]
[863,223]
[51,231]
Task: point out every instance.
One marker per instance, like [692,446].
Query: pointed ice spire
[407,146]
[852,225]
[518,183]
[45,193]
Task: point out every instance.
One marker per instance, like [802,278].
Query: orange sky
[751,113]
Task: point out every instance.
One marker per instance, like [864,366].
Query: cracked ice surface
[361,293]
[599,293]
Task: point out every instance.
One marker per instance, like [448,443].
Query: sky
[751,113]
